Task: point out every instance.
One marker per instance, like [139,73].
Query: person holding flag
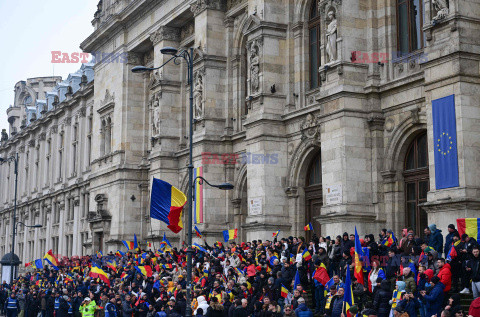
[320,279]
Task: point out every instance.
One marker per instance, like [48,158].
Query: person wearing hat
[434,298]
[12,306]
[449,238]
[88,307]
[64,307]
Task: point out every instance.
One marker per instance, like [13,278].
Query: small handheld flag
[128,244]
[308,227]
[50,258]
[275,234]
[230,234]
[197,232]
[145,270]
[284,291]
[97,272]
[306,255]
[470,226]
[358,273]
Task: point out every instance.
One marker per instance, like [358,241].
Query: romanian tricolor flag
[112,265]
[470,226]
[123,276]
[306,255]
[145,270]
[128,244]
[275,234]
[167,204]
[99,254]
[200,248]
[149,245]
[284,291]
[165,242]
[358,273]
[321,274]
[168,266]
[452,253]
[198,205]
[230,234]
[348,295]
[50,258]
[388,242]
[308,227]
[119,253]
[197,232]
[28,264]
[97,272]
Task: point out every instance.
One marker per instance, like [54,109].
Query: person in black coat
[381,302]
[50,305]
[33,306]
[63,309]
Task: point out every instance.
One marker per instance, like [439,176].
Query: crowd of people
[404,276]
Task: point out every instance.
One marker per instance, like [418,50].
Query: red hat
[259,268]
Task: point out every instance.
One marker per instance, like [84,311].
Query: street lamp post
[187,55]
[14,220]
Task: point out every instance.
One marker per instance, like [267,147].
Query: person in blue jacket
[408,304]
[435,238]
[12,306]
[110,308]
[302,310]
[434,299]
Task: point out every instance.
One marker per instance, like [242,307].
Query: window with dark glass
[416,183]
[409,26]
[314,43]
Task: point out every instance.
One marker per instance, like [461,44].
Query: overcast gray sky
[29,31]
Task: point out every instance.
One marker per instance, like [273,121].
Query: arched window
[313,194]
[416,183]
[409,26]
[314,43]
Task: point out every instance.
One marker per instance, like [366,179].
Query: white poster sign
[333,195]
[255,206]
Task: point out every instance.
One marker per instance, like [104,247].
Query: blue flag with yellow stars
[445,142]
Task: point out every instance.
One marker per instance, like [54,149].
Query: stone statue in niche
[198,96]
[156,115]
[254,67]
[332,37]
[441,8]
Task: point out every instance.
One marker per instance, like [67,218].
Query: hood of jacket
[201,300]
[429,274]
[401,286]
[445,267]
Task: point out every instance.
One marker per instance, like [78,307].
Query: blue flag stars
[445,142]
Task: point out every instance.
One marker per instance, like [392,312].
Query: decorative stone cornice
[165,33]
[31,143]
[199,6]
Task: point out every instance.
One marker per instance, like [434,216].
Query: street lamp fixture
[222,186]
[187,55]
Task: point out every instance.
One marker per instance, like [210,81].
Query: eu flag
[445,142]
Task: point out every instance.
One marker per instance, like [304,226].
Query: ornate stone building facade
[328,105]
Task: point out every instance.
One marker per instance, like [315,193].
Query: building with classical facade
[326,104]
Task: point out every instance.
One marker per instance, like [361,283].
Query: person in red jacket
[474,308]
[445,274]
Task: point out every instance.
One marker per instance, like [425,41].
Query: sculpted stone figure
[441,8]
[254,68]
[156,116]
[332,37]
[198,96]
